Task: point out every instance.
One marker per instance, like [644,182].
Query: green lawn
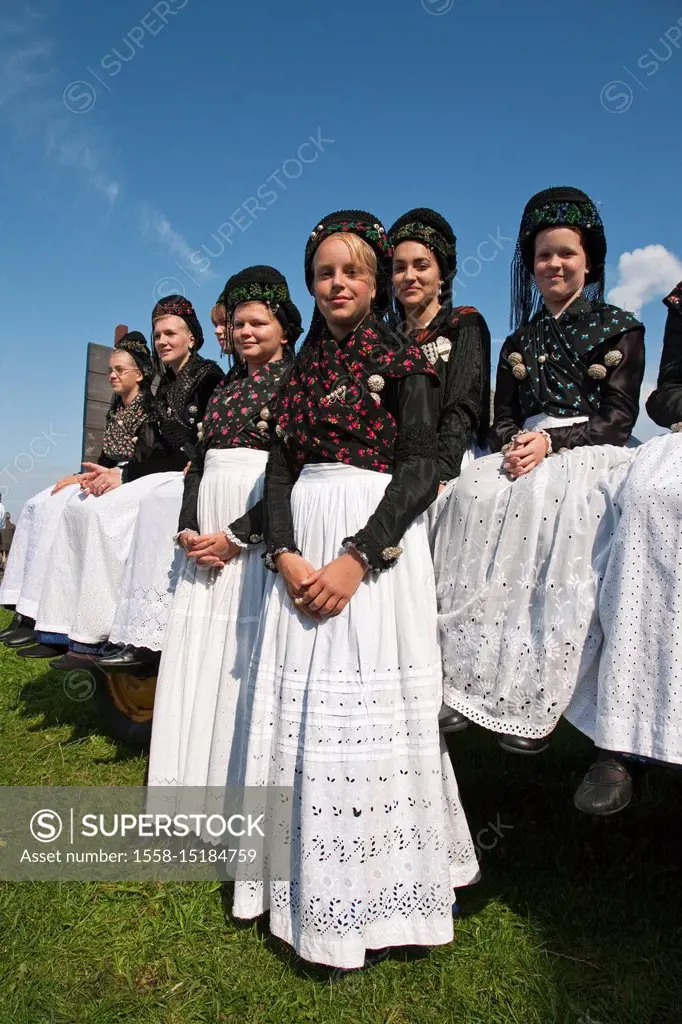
[575,921]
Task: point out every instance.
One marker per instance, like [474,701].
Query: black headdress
[372,231]
[124,421]
[264,284]
[135,343]
[178,305]
[555,207]
[433,231]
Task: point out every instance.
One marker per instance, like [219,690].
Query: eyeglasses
[118,371]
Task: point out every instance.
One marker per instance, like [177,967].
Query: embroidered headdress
[265,284]
[371,230]
[555,207]
[433,231]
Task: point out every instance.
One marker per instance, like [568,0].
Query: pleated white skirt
[518,565]
[152,570]
[633,703]
[210,637]
[24,576]
[345,711]
[87,561]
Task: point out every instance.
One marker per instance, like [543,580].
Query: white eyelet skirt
[87,561]
[632,702]
[345,712]
[518,565]
[152,570]
[26,567]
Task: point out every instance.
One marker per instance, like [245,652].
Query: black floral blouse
[239,414]
[665,403]
[369,401]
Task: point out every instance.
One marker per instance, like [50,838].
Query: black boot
[523,744]
[450,720]
[606,788]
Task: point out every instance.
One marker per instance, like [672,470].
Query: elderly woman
[345,684]
[93,540]
[130,374]
[520,544]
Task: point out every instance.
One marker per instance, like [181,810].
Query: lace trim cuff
[377,560]
[270,557]
[235,540]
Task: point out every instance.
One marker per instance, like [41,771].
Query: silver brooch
[597,371]
[337,395]
[390,554]
[376,384]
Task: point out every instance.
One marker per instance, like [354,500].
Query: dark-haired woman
[633,705]
[93,541]
[521,545]
[456,341]
[214,615]
[457,344]
[345,685]
[130,375]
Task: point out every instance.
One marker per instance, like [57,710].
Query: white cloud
[643,275]
[152,220]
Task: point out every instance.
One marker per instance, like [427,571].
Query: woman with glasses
[130,375]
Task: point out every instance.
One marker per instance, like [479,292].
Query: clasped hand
[98,480]
[325,591]
[527,451]
[209,550]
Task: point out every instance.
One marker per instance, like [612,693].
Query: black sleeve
[619,403]
[249,527]
[158,461]
[665,403]
[414,483]
[189,510]
[106,460]
[464,394]
[280,477]
[508,416]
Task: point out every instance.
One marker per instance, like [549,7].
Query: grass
[576,921]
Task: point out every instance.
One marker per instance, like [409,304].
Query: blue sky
[134,133]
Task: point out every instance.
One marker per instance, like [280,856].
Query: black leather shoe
[41,651]
[450,720]
[523,744]
[139,661]
[71,661]
[606,788]
[18,620]
[20,638]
